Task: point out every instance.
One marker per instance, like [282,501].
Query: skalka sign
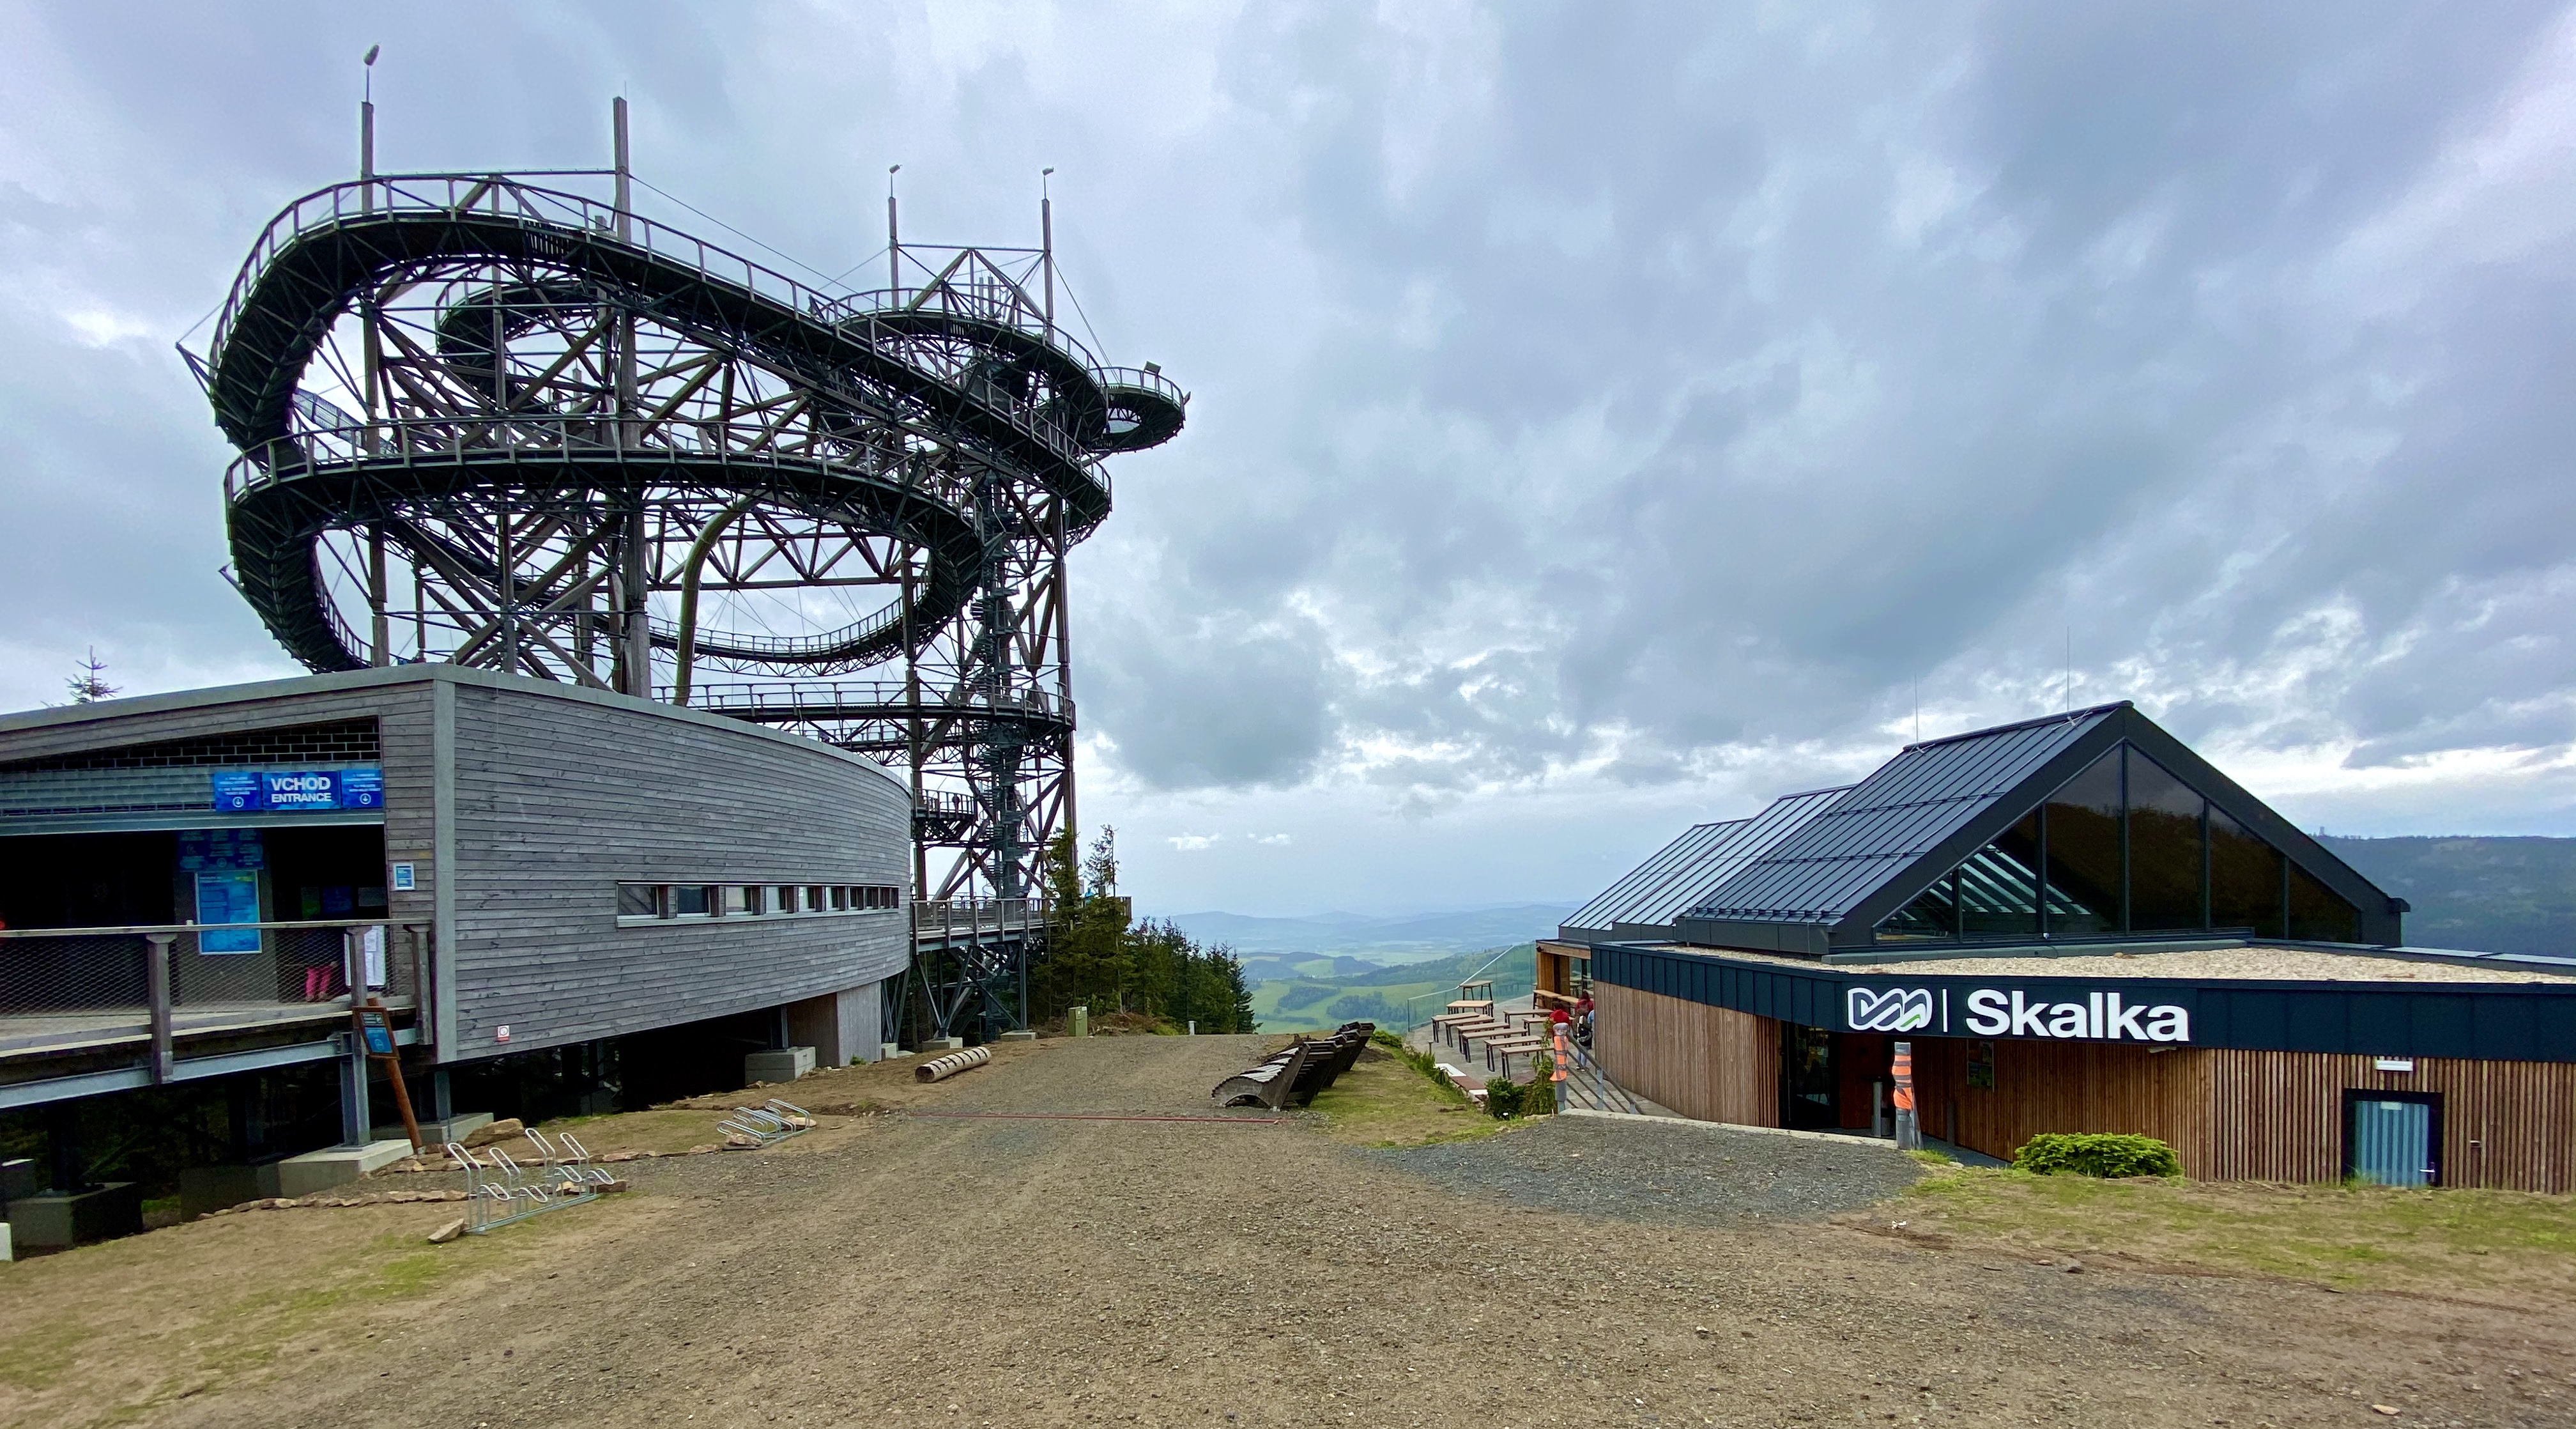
[2100,1015]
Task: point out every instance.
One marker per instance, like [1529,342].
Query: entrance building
[195,888]
[2078,925]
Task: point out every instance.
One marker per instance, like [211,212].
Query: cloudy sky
[1604,416]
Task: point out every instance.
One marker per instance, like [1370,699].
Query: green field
[1320,997]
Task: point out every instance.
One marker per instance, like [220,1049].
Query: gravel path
[1024,1267]
[1663,1175]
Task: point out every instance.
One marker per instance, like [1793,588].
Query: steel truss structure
[500,422]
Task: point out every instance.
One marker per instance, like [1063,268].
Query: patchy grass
[664,1129]
[2360,1237]
[109,1333]
[1381,1101]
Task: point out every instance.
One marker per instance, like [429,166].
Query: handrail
[386,195]
[380,199]
[147,928]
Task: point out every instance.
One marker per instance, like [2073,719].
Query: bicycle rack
[769,1123]
[503,1191]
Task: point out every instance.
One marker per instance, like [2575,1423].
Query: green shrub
[1502,1097]
[2097,1153]
[1422,1062]
[1539,1097]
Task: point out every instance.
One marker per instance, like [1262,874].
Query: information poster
[220,850]
[230,897]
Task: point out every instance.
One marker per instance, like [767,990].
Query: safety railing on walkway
[65,990]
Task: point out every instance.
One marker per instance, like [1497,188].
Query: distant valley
[2482,893]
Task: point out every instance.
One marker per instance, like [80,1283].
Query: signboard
[378,1030]
[297,791]
[220,850]
[2054,1012]
[227,897]
[406,879]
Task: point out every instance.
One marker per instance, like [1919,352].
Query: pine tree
[90,685]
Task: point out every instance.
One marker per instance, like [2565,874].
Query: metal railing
[819,699]
[77,988]
[488,196]
[951,917]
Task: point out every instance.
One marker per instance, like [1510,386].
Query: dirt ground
[1073,1236]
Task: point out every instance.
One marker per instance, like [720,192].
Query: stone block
[492,1131]
[779,1064]
[1017,1034]
[56,1221]
[944,1044]
[333,1166]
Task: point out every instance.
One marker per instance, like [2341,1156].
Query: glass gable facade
[2124,848]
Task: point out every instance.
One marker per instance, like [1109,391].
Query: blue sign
[298,791]
[220,850]
[228,897]
[237,792]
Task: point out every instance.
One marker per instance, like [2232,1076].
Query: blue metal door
[2391,1141]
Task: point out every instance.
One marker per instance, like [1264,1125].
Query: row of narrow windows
[2124,847]
[751,900]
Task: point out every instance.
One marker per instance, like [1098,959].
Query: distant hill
[2488,895]
[1387,940]
[1319,996]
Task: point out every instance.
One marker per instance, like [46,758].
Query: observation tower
[506,420]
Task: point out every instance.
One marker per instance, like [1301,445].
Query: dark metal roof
[1888,821]
[1688,869]
[1607,907]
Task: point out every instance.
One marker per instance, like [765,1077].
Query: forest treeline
[1098,956]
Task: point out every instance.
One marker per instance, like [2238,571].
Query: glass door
[2393,1138]
[1807,1084]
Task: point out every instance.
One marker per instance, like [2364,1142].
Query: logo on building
[1894,1009]
[2101,1016]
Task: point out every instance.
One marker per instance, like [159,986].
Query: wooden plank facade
[2231,1114]
[521,805]
[1707,1062]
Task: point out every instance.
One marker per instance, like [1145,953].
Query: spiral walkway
[917,365]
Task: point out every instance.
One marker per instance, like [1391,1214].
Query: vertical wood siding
[558,800]
[2505,1125]
[2066,1086]
[1705,1062]
[2231,1115]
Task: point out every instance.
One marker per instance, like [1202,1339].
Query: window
[2125,846]
[2244,878]
[1933,917]
[2164,850]
[2317,915]
[1999,887]
[2082,834]
[752,900]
